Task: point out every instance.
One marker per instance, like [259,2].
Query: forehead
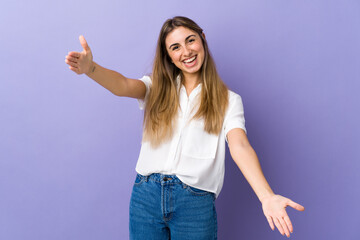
[178,35]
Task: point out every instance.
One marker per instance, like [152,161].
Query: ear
[203,34]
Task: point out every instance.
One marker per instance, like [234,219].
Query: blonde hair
[162,105]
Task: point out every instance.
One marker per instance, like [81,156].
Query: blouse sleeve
[147,81]
[235,115]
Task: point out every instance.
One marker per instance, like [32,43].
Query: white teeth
[190,60]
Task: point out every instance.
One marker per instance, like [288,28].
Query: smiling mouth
[190,60]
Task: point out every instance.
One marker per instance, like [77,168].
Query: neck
[191,80]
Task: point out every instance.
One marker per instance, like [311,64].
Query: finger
[74,54]
[72,59]
[84,43]
[284,226]
[71,63]
[289,224]
[270,223]
[76,70]
[295,205]
[278,225]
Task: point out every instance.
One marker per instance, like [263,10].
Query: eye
[175,48]
[191,40]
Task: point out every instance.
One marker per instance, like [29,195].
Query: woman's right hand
[80,62]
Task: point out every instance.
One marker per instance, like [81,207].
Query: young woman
[189,113]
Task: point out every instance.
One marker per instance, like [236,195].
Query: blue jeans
[162,208]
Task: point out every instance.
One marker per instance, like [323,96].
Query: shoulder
[232,94]
[235,104]
[234,116]
[145,78]
[234,98]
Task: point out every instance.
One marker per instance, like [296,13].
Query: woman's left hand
[274,210]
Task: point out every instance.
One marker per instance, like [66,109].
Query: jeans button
[165,179]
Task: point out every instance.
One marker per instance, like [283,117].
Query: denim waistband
[158,177]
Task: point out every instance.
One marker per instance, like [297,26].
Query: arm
[82,62]
[116,82]
[273,205]
[247,161]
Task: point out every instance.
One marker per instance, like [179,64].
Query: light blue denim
[162,208]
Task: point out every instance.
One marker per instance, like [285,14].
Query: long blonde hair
[162,105]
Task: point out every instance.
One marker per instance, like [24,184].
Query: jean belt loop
[146,178]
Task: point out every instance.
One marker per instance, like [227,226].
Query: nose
[187,51]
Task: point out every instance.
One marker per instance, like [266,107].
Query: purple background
[68,147]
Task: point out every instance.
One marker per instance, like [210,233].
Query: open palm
[274,211]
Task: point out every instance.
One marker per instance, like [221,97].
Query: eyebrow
[192,35]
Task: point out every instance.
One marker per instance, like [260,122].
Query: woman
[189,113]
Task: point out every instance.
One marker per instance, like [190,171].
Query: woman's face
[186,50]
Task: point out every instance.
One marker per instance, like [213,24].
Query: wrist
[92,68]
[266,196]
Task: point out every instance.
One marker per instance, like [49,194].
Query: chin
[191,71]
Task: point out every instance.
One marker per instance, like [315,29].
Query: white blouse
[196,157]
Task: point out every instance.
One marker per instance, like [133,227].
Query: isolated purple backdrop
[68,147]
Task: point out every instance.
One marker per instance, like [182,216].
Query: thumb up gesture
[80,62]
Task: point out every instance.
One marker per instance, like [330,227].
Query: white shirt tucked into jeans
[196,157]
